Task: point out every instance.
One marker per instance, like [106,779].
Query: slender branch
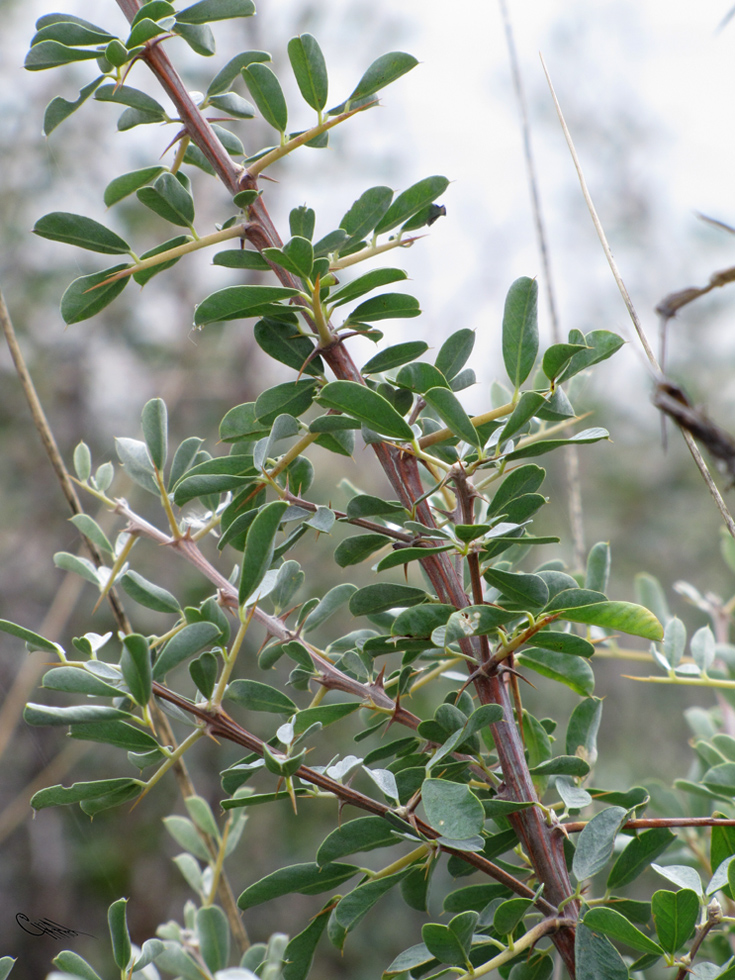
[52,450]
[646,823]
[601,233]
[235,231]
[221,725]
[258,166]
[692,446]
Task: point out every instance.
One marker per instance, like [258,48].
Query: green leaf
[722,847]
[117,920]
[331,242]
[411,958]
[405,555]
[256,696]
[60,109]
[638,855]
[183,459]
[455,352]
[452,809]
[523,480]
[237,302]
[144,275]
[557,357]
[284,343]
[207,11]
[267,94]
[86,792]
[154,10]
[582,729]
[387,306]
[78,565]
[233,105]
[412,200]
[292,398]
[302,221]
[241,423]
[154,422]
[72,33]
[296,256]
[226,76]
[598,567]
[241,258]
[379,598]
[91,530]
[450,410]
[420,377]
[441,942]
[213,933]
[366,212]
[675,917]
[519,586]
[365,505]
[119,733]
[361,834]
[363,284]
[627,617]
[395,356]
[601,344]
[183,645]
[133,97]
[367,406]
[42,714]
[421,620]
[259,548]
[610,923]
[70,963]
[527,407]
[134,456]
[148,594]
[596,842]
[332,601]
[310,69]
[569,643]
[384,70]
[76,680]
[169,199]
[135,664]
[562,765]
[596,957]
[547,445]
[121,187]
[203,672]
[299,953]
[143,31]
[508,914]
[85,297]
[520,330]
[52,54]
[574,672]
[305,879]
[354,907]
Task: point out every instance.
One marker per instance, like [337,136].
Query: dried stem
[691,444]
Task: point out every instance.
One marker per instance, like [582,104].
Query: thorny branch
[544,848]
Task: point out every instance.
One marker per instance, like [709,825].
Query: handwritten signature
[47,927]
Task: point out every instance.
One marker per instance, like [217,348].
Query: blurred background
[646,87]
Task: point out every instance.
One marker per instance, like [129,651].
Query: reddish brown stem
[543,847]
[221,725]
